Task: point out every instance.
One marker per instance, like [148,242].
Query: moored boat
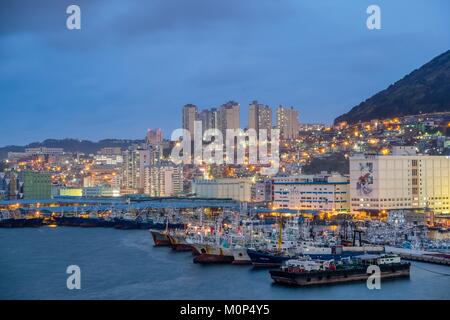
[267,259]
[178,243]
[314,272]
[271,259]
[338,252]
[160,238]
[207,253]
[21,222]
[240,256]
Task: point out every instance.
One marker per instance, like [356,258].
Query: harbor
[124,264]
[290,247]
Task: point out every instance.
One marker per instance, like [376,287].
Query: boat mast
[201,226]
[280,234]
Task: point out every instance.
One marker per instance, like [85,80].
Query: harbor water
[123,264]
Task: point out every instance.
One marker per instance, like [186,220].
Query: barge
[303,272]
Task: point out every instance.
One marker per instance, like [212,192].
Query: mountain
[425,90]
[71,145]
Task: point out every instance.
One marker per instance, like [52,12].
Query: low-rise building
[225,188]
[325,192]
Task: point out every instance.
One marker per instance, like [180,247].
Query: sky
[134,64]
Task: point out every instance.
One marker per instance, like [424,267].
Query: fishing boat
[240,256]
[211,253]
[178,242]
[268,259]
[160,238]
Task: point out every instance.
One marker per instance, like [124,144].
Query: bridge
[77,204]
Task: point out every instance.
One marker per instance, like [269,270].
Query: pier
[421,256]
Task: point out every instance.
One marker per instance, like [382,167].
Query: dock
[421,256]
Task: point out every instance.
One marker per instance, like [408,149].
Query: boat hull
[205,253]
[241,257]
[177,244]
[125,224]
[21,223]
[336,276]
[212,258]
[266,260]
[160,239]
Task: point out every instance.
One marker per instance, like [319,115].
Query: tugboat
[312,272]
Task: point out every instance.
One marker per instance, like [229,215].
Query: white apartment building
[312,192]
[259,117]
[287,122]
[225,188]
[228,117]
[134,162]
[402,180]
[163,179]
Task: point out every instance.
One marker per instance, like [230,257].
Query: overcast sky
[134,64]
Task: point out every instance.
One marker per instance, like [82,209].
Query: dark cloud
[135,63]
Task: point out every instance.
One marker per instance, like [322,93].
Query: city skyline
[218,154]
[58,81]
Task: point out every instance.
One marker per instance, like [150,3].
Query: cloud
[136,17]
[135,63]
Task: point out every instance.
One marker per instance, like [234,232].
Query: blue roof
[286,210]
[309,183]
[120,204]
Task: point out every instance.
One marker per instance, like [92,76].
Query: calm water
[117,264]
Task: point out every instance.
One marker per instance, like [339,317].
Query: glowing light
[385,151]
